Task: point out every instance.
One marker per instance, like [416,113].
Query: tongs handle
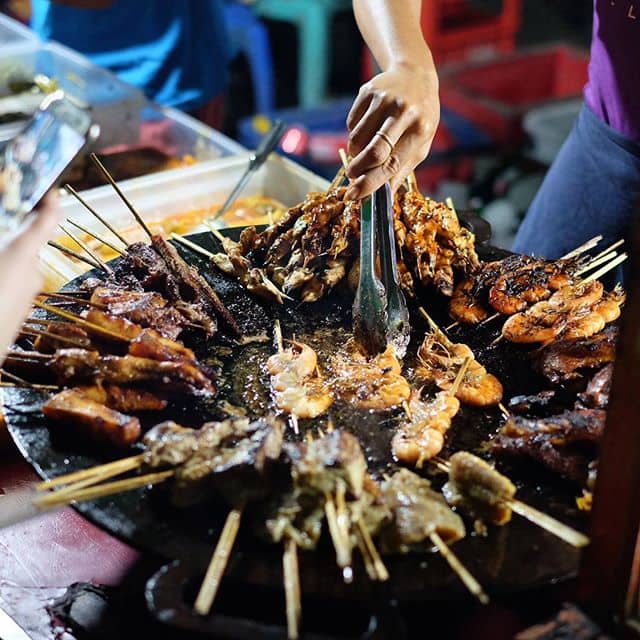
[397,313]
[369,306]
[267,145]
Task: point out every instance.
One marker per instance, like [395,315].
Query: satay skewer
[543,520]
[94,235]
[474,587]
[218,564]
[17,381]
[103,265]
[116,467]
[64,296]
[608,267]
[589,244]
[80,321]
[112,182]
[74,254]
[277,337]
[91,210]
[338,179]
[291,575]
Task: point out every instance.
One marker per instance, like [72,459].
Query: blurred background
[512,73]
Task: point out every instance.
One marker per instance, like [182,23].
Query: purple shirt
[613,89]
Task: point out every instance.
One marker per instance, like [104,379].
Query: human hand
[392,124]
[20,277]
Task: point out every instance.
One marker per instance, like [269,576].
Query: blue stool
[313,21]
[248,35]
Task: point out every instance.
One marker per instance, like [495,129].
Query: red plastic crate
[494,95]
[455,28]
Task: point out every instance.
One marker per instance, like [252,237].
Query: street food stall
[305,406]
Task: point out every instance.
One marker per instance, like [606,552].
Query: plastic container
[496,94]
[549,126]
[13,33]
[178,191]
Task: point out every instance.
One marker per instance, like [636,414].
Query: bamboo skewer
[412,183]
[81,301]
[103,265]
[192,245]
[277,337]
[112,182]
[338,180]
[589,244]
[460,376]
[94,235]
[21,382]
[343,553]
[596,262]
[80,321]
[218,564]
[543,520]
[379,571]
[117,466]
[461,571]
[292,588]
[74,254]
[91,210]
[59,498]
[615,245]
[608,267]
[28,355]
[343,158]
[29,385]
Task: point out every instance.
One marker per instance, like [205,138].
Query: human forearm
[395,115]
[391,29]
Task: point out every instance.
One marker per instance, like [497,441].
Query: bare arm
[20,278]
[401,102]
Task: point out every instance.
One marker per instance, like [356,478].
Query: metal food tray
[159,195]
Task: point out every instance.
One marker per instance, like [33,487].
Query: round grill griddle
[511,558]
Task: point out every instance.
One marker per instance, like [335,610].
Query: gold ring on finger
[386,138]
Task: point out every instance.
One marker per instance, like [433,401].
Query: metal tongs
[256,160]
[380,314]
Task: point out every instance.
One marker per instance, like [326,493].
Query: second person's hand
[392,124]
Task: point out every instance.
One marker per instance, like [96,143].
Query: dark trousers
[592,188]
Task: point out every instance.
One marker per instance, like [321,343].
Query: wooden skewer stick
[495,316]
[28,355]
[615,245]
[433,325]
[218,564]
[543,520]
[589,244]
[343,158]
[461,571]
[449,203]
[64,296]
[292,588]
[597,262]
[35,333]
[343,553]
[112,182]
[91,210]
[277,336]
[80,321]
[607,267]
[50,500]
[504,410]
[94,235]
[412,183]
[379,570]
[29,385]
[460,376]
[74,254]
[192,245]
[453,325]
[21,382]
[338,180]
[125,464]
[103,265]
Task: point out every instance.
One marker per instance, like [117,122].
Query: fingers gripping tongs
[380,315]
